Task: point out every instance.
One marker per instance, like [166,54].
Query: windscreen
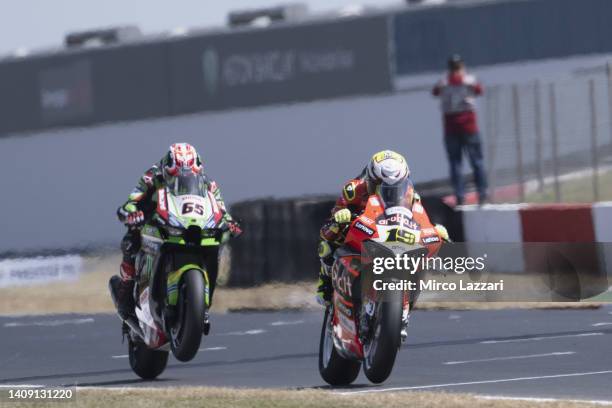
[188,185]
[398,194]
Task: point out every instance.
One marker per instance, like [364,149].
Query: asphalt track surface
[516,353]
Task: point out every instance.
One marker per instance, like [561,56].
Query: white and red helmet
[182,159]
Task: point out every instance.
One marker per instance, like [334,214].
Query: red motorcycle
[364,326]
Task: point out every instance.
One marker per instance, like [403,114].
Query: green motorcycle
[172,286]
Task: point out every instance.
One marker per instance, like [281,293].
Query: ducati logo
[341,281]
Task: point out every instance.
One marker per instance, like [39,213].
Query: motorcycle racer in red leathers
[387,166]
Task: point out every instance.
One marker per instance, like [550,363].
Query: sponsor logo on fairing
[429,240]
[363,228]
[162,200]
[344,309]
[341,281]
[399,210]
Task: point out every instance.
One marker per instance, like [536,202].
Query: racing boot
[325,289]
[122,291]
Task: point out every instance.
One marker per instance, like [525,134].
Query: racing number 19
[401,235]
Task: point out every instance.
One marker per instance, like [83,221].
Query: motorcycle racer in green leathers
[181,159]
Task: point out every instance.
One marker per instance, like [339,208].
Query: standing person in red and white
[457,93]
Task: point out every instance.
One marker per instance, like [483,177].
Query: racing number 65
[192,207]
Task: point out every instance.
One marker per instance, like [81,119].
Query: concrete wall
[61,189]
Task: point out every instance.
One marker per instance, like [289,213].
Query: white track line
[49,323]
[202,349]
[558,353]
[502,380]
[286,323]
[542,338]
[243,333]
[213,348]
[601,324]
[533,399]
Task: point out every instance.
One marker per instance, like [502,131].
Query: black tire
[334,369]
[146,363]
[381,350]
[186,334]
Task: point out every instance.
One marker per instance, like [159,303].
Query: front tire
[381,350]
[186,334]
[146,363]
[334,369]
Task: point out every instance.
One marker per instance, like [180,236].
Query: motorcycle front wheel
[382,346]
[186,333]
[334,369]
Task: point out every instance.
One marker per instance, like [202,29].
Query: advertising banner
[282,64]
[30,271]
[66,92]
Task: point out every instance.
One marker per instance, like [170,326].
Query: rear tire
[186,334]
[334,369]
[146,363]
[380,352]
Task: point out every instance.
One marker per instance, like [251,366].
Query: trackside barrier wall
[602,223]
[569,237]
[199,72]
[497,223]
[280,240]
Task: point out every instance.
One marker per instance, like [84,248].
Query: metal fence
[551,139]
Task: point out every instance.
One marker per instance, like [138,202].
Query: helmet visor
[189,184]
[396,195]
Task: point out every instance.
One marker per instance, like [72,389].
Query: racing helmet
[386,166]
[182,159]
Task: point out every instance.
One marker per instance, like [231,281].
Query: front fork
[406,308]
[368,311]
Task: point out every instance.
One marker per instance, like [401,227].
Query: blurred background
[285,102]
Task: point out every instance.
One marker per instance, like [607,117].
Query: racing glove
[134,218]
[442,232]
[342,216]
[234,228]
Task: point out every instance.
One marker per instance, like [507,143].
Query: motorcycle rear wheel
[381,350]
[334,369]
[146,363]
[186,334]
